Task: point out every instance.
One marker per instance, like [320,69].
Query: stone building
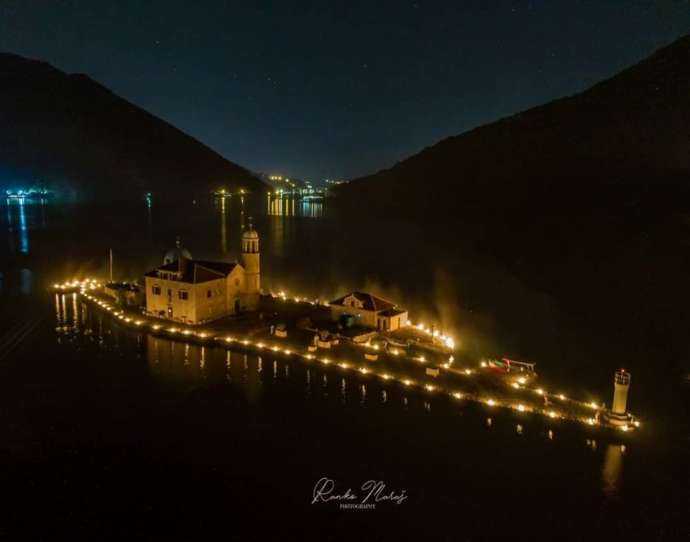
[197,291]
[124,294]
[368,311]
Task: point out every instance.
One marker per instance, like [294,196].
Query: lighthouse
[618,415]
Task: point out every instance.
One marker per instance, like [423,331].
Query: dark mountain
[72,133]
[628,133]
[581,205]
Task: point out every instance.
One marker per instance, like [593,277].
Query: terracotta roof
[197,271]
[220,267]
[369,302]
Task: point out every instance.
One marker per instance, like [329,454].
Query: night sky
[315,90]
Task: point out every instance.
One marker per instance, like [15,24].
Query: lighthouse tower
[618,415]
[251,263]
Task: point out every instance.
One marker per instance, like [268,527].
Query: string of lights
[86,288]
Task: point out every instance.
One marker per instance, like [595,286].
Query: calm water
[107,432]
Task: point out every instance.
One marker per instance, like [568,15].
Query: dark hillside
[71,133]
[585,200]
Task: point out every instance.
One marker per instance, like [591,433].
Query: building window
[237,282]
[183,295]
[209,293]
[156,290]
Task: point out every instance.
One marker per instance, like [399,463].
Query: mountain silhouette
[68,132]
[583,202]
[630,133]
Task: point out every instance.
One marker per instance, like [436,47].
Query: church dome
[250,232]
[176,253]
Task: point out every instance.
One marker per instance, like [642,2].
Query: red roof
[197,271]
[369,302]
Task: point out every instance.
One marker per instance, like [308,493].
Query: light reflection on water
[23,233]
[190,363]
[611,471]
[269,379]
[21,216]
[287,205]
[222,207]
[212,231]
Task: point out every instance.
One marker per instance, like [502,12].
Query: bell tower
[252,266]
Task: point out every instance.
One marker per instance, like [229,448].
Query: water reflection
[16,221]
[75,313]
[154,355]
[242,213]
[23,233]
[174,360]
[287,205]
[222,207]
[26,278]
[189,363]
[22,215]
[611,472]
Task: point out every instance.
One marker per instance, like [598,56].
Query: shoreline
[463,384]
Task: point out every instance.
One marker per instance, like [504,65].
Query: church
[193,291]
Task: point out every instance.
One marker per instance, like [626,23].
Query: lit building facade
[193,291]
[369,311]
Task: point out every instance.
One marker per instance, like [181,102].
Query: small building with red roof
[368,311]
